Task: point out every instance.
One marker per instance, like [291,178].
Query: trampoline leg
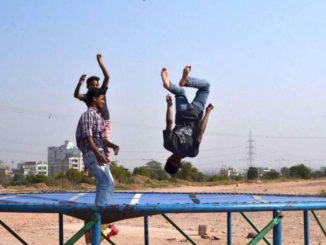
[229,228]
[277,230]
[12,233]
[253,226]
[146,230]
[306,226]
[181,231]
[319,222]
[60,229]
[274,224]
[96,230]
[95,221]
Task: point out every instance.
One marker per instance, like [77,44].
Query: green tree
[143,170]
[59,176]
[119,172]
[156,170]
[19,179]
[5,180]
[190,173]
[271,175]
[217,178]
[74,175]
[300,171]
[317,174]
[285,172]
[323,169]
[37,178]
[152,169]
[252,173]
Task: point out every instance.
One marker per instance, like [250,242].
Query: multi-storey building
[64,157]
[32,168]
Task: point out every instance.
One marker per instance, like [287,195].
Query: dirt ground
[43,228]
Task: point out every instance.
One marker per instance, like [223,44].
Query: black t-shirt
[182,141]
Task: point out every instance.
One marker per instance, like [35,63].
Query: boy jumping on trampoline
[184,139]
[93,82]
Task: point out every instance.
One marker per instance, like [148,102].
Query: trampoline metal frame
[95,222]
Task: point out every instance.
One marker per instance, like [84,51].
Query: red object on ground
[111,231]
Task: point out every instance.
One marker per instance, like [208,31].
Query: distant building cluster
[68,156]
[230,172]
[234,172]
[27,168]
[64,157]
[60,159]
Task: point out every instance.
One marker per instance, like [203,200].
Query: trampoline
[125,205]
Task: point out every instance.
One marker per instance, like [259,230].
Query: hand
[116,149]
[99,58]
[209,108]
[169,100]
[100,158]
[82,78]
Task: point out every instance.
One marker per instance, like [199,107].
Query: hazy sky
[265,61]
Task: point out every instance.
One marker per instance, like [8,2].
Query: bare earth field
[43,228]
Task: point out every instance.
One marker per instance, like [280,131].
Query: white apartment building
[33,168]
[64,157]
[229,172]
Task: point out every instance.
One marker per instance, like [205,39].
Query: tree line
[153,171]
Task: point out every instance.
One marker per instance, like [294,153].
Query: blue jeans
[103,178]
[181,101]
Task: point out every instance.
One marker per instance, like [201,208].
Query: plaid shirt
[90,124]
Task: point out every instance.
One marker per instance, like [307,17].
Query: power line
[51,115]
[290,137]
[21,152]
[23,143]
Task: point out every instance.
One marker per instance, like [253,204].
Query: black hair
[90,79]
[172,164]
[94,92]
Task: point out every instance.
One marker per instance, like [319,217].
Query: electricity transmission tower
[251,153]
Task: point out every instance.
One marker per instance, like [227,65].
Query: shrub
[19,179]
[271,175]
[38,178]
[217,178]
[190,173]
[120,173]
[5,180]
[152,170]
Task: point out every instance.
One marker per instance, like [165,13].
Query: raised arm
[203,123]
[169,113]
[104,71]
[77,93]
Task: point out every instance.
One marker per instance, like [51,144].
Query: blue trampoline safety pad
[125,205]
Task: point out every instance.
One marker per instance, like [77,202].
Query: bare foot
[165,78]
[184,78]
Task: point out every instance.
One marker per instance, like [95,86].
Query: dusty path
[43,228]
